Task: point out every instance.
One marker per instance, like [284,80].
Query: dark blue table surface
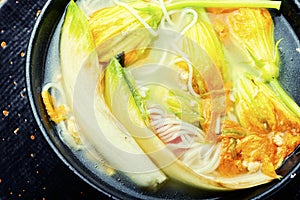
[29,169]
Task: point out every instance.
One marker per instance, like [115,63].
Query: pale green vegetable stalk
[112,83]
[276,86]
[185,107]
[76,44]
[178,4]
[80,72]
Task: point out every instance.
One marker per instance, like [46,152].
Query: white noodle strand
[57,93]
[218,125]
[166,14]
[203,158]
[194,21]
[190,76]
[137,16]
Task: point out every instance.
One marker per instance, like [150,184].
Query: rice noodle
[181,22]
[137,16]
[164,9]
[195,18]
[218,125]
[52,88]
[190,77]
[178,135]
[203,158]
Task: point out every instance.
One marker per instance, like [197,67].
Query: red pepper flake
[16,131]
[3,44]
[5,113]
[32,137]
[22,54]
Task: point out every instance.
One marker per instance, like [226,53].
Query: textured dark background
[29,169]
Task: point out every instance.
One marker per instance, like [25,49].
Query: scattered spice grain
[3,44]
[5,113]
[16,131]
[32,137]
[38,12]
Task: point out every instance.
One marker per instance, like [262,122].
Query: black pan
[287,26]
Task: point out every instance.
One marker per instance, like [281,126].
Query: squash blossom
[251,31]
[266,134]
[204,35]
[116,29]
[259,108]
[246,152]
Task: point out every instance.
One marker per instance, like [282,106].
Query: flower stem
[223,4]
[289,102]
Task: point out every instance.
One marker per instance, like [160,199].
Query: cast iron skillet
[287,23]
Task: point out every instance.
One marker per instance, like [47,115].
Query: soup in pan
[173,90]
